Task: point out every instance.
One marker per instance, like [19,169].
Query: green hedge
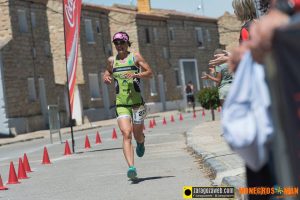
[209,98]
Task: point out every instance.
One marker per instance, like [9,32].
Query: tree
[209,99]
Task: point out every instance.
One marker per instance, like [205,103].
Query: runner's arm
[216,79]
[146,69]
[108,71]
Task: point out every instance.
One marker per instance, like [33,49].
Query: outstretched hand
[205,77]
[218,59]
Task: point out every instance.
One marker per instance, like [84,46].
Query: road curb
[216,167]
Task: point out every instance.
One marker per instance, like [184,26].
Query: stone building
[26,66]
[33,67]
[229,30]
[94,48]
[177,46]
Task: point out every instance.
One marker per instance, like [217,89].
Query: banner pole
[68,89]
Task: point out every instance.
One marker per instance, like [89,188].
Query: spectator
[248,105]
[223,77]
[189,90]
[245,12]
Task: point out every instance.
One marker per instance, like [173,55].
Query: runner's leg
[138,132]
[140,139]
[126,129]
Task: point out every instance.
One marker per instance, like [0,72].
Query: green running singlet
[128,93]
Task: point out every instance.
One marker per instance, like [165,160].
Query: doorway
[189,72]
[4,129]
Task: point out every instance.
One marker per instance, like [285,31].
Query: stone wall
[94,55]
[229,28]
[27,56]
[5,30]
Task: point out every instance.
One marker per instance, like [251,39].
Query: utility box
[54,121]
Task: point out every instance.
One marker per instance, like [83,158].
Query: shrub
[209,98]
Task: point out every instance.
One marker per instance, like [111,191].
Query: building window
[31,90]
[153,91]
[199,36]
[98,27]
[166,53]
[94,86]
[171,34]
[89,34]
[47,48]
[177,76]
[33,20]
[155,33]
[147,34]
[208,35]
[23,26]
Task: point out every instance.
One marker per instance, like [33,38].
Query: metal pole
[70,112]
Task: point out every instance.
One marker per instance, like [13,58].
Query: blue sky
[212,8]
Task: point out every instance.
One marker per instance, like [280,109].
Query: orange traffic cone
[154,122]
[67,149]
[172,118]
[98,139]
[12,177]
[180,117]
[2,187]
[164,121]
[194,115]
[46,159]
[26,163]
[150,124]
[21,171]
[87,144]
[114,134]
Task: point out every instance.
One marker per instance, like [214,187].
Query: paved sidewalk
[225,166]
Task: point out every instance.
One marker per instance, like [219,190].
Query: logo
[70,12]
[276,191]
[190,192]
[124,83]
[130,62]
[187,192]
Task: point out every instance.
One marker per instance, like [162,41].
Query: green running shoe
[140,149]
[131,173]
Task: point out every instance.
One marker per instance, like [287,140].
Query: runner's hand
[107,79]
[131,75]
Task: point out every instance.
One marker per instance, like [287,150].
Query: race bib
[139,114]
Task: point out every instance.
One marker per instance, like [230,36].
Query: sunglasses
[119,42]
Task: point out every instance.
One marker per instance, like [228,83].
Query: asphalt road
[100,172]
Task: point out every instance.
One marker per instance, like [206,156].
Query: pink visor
[121,36]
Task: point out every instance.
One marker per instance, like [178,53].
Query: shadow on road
[96,150]
[138,180]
